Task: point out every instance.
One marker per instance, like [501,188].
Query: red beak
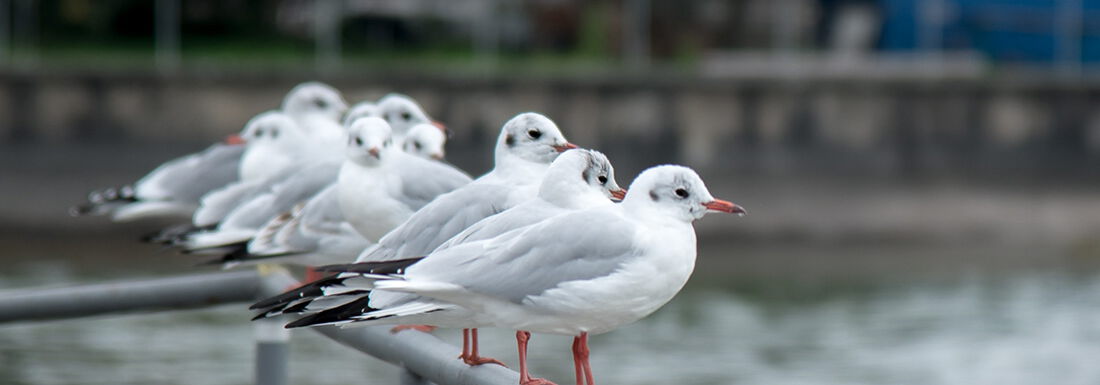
[565,147]
[725,207]
[619,194]
[234,140]
[373,152]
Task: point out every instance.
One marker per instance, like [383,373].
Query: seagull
[228,232]
[584,272]
[578,179]
[176,187]
[407,183]
[318,107]
[525,147]
[527,144]
[403,113]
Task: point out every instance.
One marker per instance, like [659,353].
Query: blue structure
[1018,31]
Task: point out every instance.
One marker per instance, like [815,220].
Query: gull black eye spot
[602,179]
[320,103]
[406,116]
[682,193]
[534,134]
[358,141]
[416,144]
[259,133]
[274,133]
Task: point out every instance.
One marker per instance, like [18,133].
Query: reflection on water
[1020,328]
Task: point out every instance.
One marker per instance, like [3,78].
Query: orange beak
[619,194]
[725,207]
[565,147]
[373,152]
[234,140]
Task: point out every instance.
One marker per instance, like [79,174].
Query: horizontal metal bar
[422,353]
[180,292]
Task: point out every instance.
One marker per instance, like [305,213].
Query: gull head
[273,128]
[402,113]
[314,98]
[361,110]
[369,141]
[426,141]
[580,179]
[675,191]
[532,137]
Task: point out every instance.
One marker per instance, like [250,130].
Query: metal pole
[190,291]
[421,353]
[271,352]
[410,378]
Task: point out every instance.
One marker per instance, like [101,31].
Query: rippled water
[1036,326]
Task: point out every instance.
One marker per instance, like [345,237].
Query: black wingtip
[309,290]
[337,314]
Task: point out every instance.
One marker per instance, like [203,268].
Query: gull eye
[358,141]
[320,103]
[416,144]
[681,193]
[406,116]
[534,134]
[274,133]
[602,179]
[259,133]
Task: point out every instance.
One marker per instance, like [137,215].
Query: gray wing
[298,230]
[424,180]
[574,246]
[438,221]
[188,178]
[281,195]
[220,202]
[521,216]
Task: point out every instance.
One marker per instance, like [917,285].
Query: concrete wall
[1000,125]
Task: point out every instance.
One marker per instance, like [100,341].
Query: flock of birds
[545,242]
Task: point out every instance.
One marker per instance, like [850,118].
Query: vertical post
[1068,29]
[167,16]
[637,33]
[25,28]
[5,30]
[271,352]
[487,33]
[931,16]
[326,34]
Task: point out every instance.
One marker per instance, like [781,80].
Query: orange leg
[524,376]
[473,358]
[580,360]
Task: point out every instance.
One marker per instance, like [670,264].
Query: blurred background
[921,176]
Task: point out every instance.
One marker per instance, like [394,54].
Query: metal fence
[425,357]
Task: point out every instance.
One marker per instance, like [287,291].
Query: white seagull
[378,188]
[578,179]
[526,146]
[580,273]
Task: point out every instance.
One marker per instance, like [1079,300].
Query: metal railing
[425,357]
